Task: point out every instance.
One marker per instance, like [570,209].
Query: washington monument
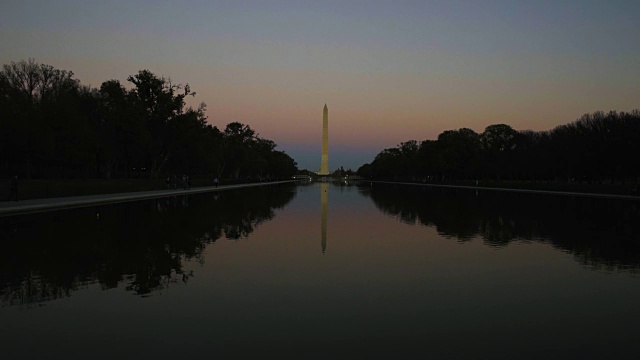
[324,165]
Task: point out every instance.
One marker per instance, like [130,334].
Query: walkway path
[38,205]
[550,192]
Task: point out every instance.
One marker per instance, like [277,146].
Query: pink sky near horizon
[388,71]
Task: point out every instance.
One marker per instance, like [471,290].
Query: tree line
[598,147]
[52,126]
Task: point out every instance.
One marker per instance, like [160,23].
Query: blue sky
[390,71]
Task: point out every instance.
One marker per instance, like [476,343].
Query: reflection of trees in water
[141,244]
[600,233]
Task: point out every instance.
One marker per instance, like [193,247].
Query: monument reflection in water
[324,203]
[412,272]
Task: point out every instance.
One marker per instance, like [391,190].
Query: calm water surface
[328,271]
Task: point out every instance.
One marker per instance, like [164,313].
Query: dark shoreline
[566,189]
[47,188]
[9,208]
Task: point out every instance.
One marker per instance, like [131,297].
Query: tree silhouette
[596,148]
[498,141]
[53,127]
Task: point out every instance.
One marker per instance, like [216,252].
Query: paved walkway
[8,208]
[38,205]
[550,192]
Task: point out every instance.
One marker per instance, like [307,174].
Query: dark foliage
[53,127]
[596,148]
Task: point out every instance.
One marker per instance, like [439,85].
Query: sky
[389,71]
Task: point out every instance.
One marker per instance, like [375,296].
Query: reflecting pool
[325,271]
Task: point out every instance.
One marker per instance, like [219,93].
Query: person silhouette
[13,194]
